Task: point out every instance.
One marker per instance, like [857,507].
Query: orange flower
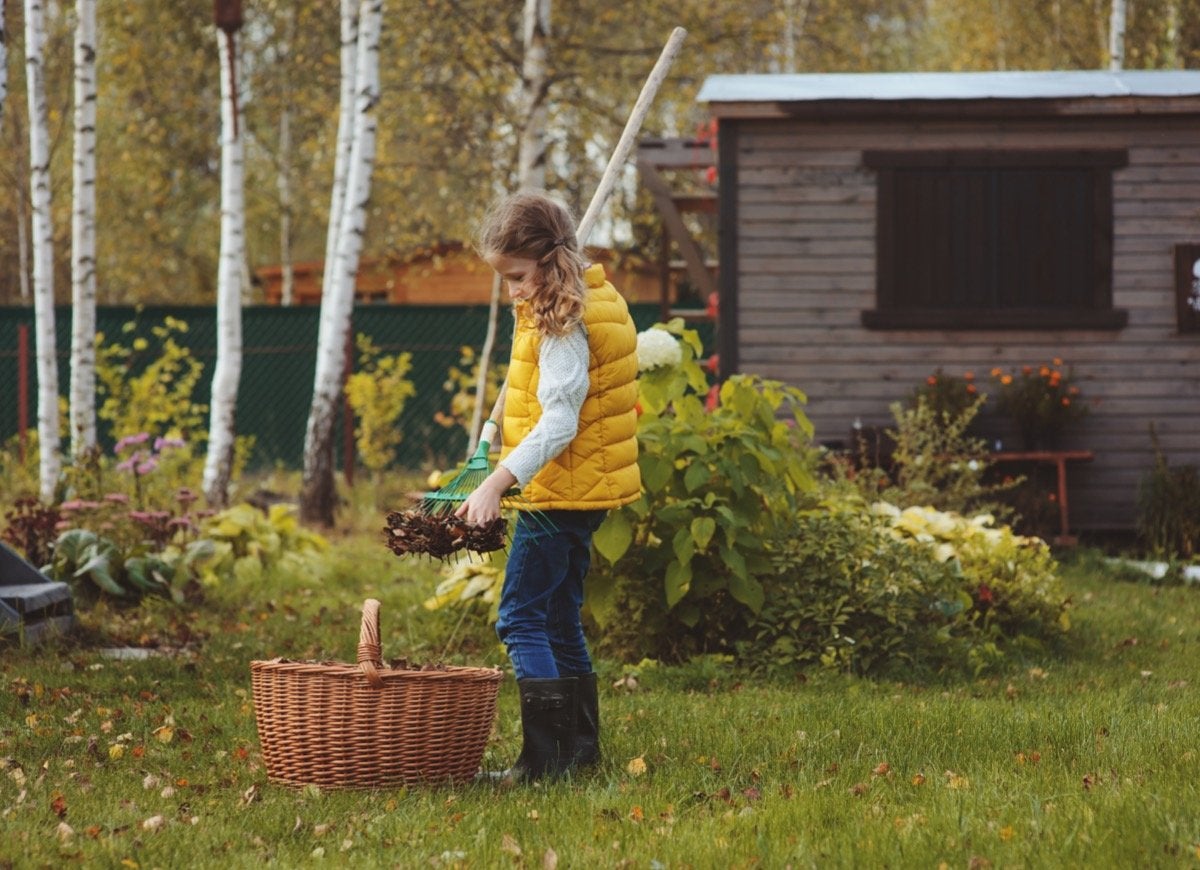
[1057,361]
[1044,371]
[996,372]
[1006,380]
[1074,391]
[971,389]
[931,380]
[969,376]
[1066,402]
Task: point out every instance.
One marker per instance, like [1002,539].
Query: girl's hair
[532,226]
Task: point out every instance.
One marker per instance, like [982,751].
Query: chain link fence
[278,365]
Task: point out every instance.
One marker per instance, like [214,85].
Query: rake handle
[625,144]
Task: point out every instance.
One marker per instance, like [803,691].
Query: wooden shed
[876,227]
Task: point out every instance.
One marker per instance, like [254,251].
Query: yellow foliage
[377,395]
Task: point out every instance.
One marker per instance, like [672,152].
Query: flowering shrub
[1040,401]
[948,396]
[656,348]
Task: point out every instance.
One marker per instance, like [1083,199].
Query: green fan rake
[432,528]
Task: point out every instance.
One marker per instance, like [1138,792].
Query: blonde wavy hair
[532,226]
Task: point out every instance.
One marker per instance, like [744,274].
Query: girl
[569,440]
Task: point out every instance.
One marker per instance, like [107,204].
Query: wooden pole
[625,144]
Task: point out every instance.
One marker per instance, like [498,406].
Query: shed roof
[1023,85]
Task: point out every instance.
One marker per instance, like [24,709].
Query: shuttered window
[985,240]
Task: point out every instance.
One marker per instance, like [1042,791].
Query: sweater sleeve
[562,387]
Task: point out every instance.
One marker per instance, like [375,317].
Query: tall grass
[1090,758]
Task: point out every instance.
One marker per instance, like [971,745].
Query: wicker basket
[369,726]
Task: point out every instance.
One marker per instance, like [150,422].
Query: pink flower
[131,440]
[161,444]
[72,505]
[118,497]
[186,495]
[147,466]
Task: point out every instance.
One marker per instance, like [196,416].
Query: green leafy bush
[851,596]
[721,484]
[949,395]
[874,590]
[934,461]
[96,565]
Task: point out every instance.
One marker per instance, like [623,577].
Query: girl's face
[516,271]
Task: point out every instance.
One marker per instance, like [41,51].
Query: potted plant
[1041,401]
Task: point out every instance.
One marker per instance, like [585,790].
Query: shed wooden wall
[805,224]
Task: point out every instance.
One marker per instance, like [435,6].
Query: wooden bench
[1059,459]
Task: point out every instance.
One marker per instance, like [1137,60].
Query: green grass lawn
[1087,758]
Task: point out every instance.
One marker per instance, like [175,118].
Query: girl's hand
[483,505]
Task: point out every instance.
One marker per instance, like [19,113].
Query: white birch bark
[345,144]
[227,372]
[286,272]
[3,57]
[83,235]
[337,298]
[49,463]
[1116,36]
[531,170]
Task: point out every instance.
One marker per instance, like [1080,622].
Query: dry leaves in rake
[441,535]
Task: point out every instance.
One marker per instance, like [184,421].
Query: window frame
[893,311]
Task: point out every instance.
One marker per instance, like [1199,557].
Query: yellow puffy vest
[598,469]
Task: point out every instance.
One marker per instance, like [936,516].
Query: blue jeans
[543,593]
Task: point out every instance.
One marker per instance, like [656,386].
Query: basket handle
[370,653]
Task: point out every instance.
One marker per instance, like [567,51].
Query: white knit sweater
[562,387]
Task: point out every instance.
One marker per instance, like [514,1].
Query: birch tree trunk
[49,463]
[3,56]
[83,235]
[337,300]
[227,372]
[345,144]
[285,166]
[531,170]
[1116,36]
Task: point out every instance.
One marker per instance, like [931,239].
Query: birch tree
[285,164]
[1116,36]
[49,462]
[83,235]
[227,372]
[531,167]
[3,57]
[337,295]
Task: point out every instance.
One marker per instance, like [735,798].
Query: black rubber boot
[548,729]
[587,722]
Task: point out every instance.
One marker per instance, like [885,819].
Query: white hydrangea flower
[657,347]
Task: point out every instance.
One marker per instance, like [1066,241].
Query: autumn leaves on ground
[1086,759]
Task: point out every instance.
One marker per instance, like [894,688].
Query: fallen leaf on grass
[509,844]
[151,782]
[918,779]
[956,782]
[164,733]
[64,832]
[858,789]
[249,796]
[1006,833]
[321,830]
[153,823]
[636,766]
[882,769]
[636,814]
[550,859]
[58,803]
